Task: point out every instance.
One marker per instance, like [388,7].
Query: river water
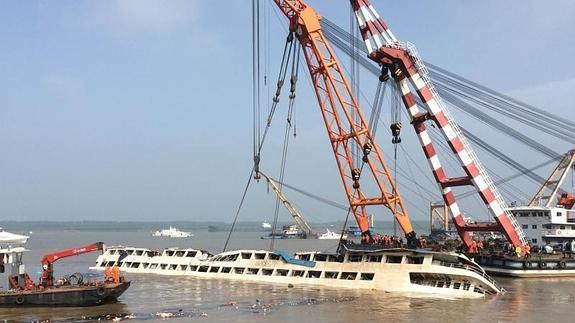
[189,299]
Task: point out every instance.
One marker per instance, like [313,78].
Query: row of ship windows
[428,280]
[395,259]
[547,226]
[252,271]
[149,253]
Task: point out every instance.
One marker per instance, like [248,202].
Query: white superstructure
[7,238]
[172,233]
[546,225]
[387,270]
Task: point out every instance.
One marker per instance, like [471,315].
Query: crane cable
[291,107]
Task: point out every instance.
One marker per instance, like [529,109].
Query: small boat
[330,235]
[172,233]
[7,238]
[266,226]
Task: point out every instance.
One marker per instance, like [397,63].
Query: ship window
[253,271]
[354,258]
[139,252]
[533,240]
[376,258]
[320,257]
[466,286]
[534,226]
[184,267]
[191,254]
[153,266]
[193,268]
[440,284]
[366,276]
[127,264]
[267,272]
[113,252]
[313,274]
[214,269]
[521,214]
[562,227]
[547,214]
[103,264]
[331,274]
[281,272]
[273,256]
[334,258]
[260,255]
[173,267]
[478,290]
[163,266]
[447,284]
[348,276]
[226,270]
[129,252]
[180,253]
[297,273]
[394,259]
[304,257]
[456,285]
[135,265]
[559,213]
[246,255]
[169,253]
[149,253]
[203,269]
[524,226]
[415,260]
[539,214]
[239,270]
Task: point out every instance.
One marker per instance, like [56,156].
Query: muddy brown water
[189,299]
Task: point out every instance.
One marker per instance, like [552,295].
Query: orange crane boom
[345,123]
[48,260]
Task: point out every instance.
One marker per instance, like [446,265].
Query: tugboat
[70,290]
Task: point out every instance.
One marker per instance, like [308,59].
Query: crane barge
[71,290]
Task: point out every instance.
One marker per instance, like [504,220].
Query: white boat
[7,238]
[172,233]
[332,235]
[386,270]
[266,226]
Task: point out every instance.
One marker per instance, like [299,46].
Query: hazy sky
[141,109]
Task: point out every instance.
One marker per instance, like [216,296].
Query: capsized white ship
[172,233]
[7,238]
[413,272]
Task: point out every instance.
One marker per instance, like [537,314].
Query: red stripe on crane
[487,195]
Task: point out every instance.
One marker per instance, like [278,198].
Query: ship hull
[65,296]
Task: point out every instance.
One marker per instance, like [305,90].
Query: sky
[141,109]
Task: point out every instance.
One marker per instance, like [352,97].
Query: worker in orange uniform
[108,274]
[473,247]
[116,274]
[479,245]
[518,251]
[527,251]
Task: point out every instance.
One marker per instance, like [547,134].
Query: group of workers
[112,274]
[390,241]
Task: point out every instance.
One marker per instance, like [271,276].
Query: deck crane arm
[300,221]
[554,182]
[49,260]
[345,123]
[409,72]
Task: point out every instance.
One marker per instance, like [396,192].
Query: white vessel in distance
[330,235]
[7,238]
[172,233]
[405,271]
[266,226]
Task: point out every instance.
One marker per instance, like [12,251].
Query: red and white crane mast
[410,72]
